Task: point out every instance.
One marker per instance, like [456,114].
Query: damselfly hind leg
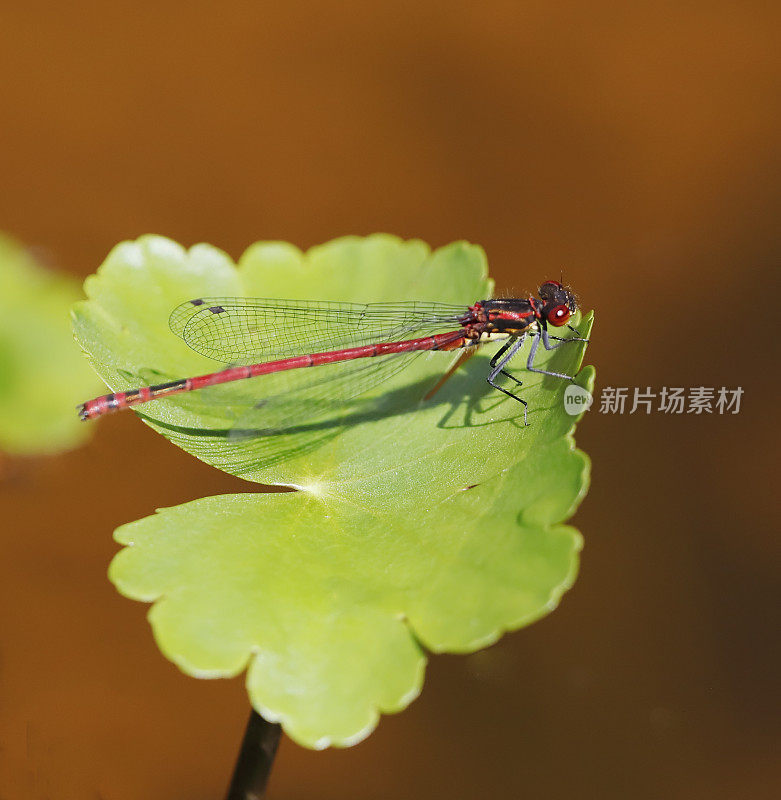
[498,364]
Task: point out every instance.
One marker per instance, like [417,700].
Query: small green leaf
[422,521]
[42,373]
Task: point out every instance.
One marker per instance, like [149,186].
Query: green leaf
[42,373]
[424,521]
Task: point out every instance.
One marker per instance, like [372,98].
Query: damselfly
[262,337]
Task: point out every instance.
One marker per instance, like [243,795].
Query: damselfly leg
[508,351]
[543,335]
[498,364]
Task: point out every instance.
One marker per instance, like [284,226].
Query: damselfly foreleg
[548,346]
[546,337]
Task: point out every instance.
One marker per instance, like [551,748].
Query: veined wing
[240,330]
[282,414]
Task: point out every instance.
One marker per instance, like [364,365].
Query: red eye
[558,315]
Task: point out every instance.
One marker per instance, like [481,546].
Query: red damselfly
[266,337]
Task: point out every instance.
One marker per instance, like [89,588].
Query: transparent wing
[286,414]
[239,330]
[305,411]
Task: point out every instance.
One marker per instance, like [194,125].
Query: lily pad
[42,373]
[423,520]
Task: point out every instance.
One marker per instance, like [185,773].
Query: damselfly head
[560,303]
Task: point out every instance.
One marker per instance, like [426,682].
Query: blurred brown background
[634,145]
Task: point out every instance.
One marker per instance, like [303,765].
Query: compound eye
[558,315]
[548,289]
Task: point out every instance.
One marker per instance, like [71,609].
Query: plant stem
[256,758]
